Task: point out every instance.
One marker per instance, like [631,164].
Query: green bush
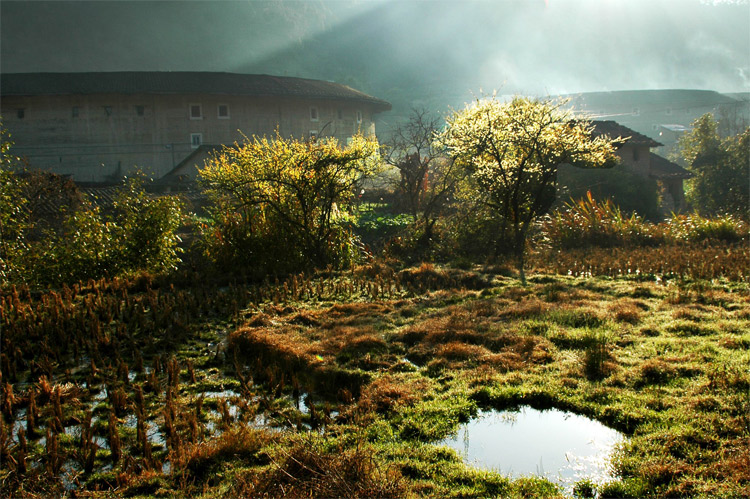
[696,228]
[14,218]
[140,234]
[375,224]
[584,489]
[148,227]
[87,248]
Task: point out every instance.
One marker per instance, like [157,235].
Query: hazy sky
[531,46]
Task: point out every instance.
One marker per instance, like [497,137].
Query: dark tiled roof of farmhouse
[150,82]
[614,130]
[653,100]
[663,168]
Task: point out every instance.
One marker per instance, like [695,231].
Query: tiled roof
[662,168]
[657,100]
[614,130]
[202,152]
[154,82]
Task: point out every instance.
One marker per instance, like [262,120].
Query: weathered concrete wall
[102,136]
[636,157]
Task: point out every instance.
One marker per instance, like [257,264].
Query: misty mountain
[432,54]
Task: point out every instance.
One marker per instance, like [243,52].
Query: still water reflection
[562,446]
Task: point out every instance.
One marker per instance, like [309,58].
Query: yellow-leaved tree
[288,199]
[511,151]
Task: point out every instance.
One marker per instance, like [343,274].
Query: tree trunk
[521,273]
[520,256]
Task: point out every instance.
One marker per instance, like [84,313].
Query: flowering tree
[512,151]
[296,189]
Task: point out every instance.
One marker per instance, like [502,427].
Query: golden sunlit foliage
[292,194]
[512,151]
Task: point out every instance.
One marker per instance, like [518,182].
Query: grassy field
[339,384]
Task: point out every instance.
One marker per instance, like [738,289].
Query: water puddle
[561,446]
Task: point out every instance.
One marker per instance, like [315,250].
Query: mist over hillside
[434,54]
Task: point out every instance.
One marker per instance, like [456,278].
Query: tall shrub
[292,198]
[148,227]
[140,233]
[14,218]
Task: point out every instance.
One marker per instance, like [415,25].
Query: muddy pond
[561,446]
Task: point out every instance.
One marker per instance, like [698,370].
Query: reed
[115,444]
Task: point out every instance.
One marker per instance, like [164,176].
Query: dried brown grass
[304,470]
[625,310]
[391,391]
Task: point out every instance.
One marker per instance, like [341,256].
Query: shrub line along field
[339,384]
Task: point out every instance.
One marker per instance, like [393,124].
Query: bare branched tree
[427,176]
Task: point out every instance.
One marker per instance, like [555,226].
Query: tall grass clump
[587,222]
[696,228]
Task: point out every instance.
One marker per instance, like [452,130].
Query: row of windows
[315,116]
[195,111]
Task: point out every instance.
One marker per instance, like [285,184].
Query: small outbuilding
[635,153]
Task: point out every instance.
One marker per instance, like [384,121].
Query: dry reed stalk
[173,373]
[57,414]
[114,438]
[5,439]
[141,431]
[138,362]
[8,400]
[123,372]
[191,371]
[21,451]
[226,416]
[31,414]
[53,458]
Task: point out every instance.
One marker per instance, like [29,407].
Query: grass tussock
[306,469]
[628,311]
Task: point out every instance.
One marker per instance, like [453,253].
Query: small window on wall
[75,112]
[313,114]
[140,110]
[223,112]
[21,113]
[196,139]
[196,113]
[359,117]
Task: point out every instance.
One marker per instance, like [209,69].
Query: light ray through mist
[406,51]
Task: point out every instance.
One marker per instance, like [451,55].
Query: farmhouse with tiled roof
[634,152]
